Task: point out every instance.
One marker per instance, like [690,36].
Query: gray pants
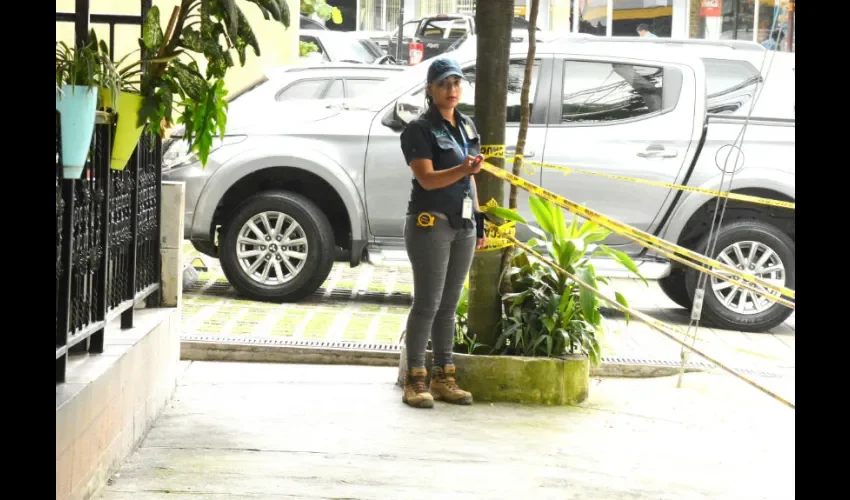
[440,257]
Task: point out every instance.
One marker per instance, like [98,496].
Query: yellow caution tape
[645,239]
[499,152]
[493,233]
[667,330]
[497,232]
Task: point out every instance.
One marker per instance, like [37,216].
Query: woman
[442,230]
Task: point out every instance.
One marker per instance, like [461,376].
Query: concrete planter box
[514,379]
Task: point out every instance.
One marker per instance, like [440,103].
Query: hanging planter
[77,105]
[104,99]
[128,131]
[77,80]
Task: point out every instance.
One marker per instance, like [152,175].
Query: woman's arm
[475,194]
[430,179]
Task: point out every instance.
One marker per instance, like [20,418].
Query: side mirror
[401,114]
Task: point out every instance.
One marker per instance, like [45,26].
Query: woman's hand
[482,242]
[470,166]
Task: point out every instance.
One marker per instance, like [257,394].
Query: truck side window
[605,92]
[516,74]
[305,89]
[729,84]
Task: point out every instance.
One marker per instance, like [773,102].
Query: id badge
[466,213]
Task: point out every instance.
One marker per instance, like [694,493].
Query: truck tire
[766,252]
[675,288]
[277,246]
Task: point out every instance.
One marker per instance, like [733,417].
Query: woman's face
[446,93]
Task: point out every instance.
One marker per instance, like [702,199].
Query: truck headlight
[177,154]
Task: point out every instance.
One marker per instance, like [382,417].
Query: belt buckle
[425,219]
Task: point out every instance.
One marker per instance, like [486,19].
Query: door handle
[511,150]
[658,151]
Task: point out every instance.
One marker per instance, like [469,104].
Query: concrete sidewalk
[250,431]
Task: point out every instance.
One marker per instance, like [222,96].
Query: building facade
[769,22]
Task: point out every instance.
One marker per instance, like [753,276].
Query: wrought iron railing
[107,224]
[107,242]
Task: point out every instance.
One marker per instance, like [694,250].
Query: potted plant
[120,94]
[550,324]
[76,101]
[546,313]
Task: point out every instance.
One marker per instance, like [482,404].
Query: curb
[194,348]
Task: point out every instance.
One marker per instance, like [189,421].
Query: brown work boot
[415,392]
[444,387]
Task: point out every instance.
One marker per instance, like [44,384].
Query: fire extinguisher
[415,53]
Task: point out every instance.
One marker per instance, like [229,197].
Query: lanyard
[465,147]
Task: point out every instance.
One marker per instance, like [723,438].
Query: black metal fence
[107,227]
[107,243]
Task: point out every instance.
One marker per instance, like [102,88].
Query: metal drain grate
[691,364]
[353,346]
[356,346]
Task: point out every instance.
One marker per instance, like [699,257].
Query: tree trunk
[491,96]
[524,117]
[523,98]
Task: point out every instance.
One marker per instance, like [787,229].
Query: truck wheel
[277,246]
[675,289]
[764,251]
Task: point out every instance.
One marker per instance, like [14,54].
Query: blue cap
[443,68]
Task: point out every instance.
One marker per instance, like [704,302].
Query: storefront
[769,22]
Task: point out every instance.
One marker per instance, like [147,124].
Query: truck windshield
[356,50]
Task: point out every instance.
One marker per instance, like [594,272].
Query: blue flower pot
[77,105]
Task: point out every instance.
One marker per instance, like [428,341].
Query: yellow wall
[278,46]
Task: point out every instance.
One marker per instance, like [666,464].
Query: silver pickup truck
[299,186]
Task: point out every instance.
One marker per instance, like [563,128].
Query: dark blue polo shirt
[432,137]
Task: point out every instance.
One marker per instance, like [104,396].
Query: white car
[343,46]
[283,90]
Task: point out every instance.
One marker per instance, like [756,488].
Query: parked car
[285,196]
[443,33]
[282,91]
[307,23]
[343,46]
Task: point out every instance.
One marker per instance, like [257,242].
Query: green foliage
[462,337]
[546,313]
[306,48]
[321,9]
[77,65]
[89,65]
[173,80]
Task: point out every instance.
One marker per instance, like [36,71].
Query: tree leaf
[284,13]
[229,6]
[623,259]
[541,212]
[151,30]
[558,221]
[623,302]
[506,214]
[191,82]
[568,253]
[587,298]
[269,8]
[336,15]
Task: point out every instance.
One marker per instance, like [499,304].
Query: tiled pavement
[369,305]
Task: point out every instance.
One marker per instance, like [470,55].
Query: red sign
[710,8]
